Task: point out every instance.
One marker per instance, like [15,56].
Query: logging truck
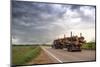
[72,43]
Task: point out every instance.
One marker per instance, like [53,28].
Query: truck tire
[70,48]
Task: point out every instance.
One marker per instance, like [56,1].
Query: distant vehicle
[72,43]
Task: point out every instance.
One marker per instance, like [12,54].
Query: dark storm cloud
[40,22]
[29,21]
[81,10]
[87,13]
[75,7]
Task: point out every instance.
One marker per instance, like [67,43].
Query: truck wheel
[70,48]
[52,46]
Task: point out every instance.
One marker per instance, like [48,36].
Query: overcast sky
[42,23]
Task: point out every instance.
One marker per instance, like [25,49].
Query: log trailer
[72,43]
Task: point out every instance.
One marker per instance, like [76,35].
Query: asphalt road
[62,55]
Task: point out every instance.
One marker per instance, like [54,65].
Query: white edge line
[51,55]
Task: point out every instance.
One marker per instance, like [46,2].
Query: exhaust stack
[80,34]
[71,34]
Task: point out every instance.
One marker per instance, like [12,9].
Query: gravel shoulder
[43,58]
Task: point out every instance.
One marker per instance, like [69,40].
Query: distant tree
[91,45]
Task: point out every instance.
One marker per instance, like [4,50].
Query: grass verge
[23,54]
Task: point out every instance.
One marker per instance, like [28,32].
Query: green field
[89,45]
[23,54]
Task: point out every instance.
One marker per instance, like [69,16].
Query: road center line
[51,55]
